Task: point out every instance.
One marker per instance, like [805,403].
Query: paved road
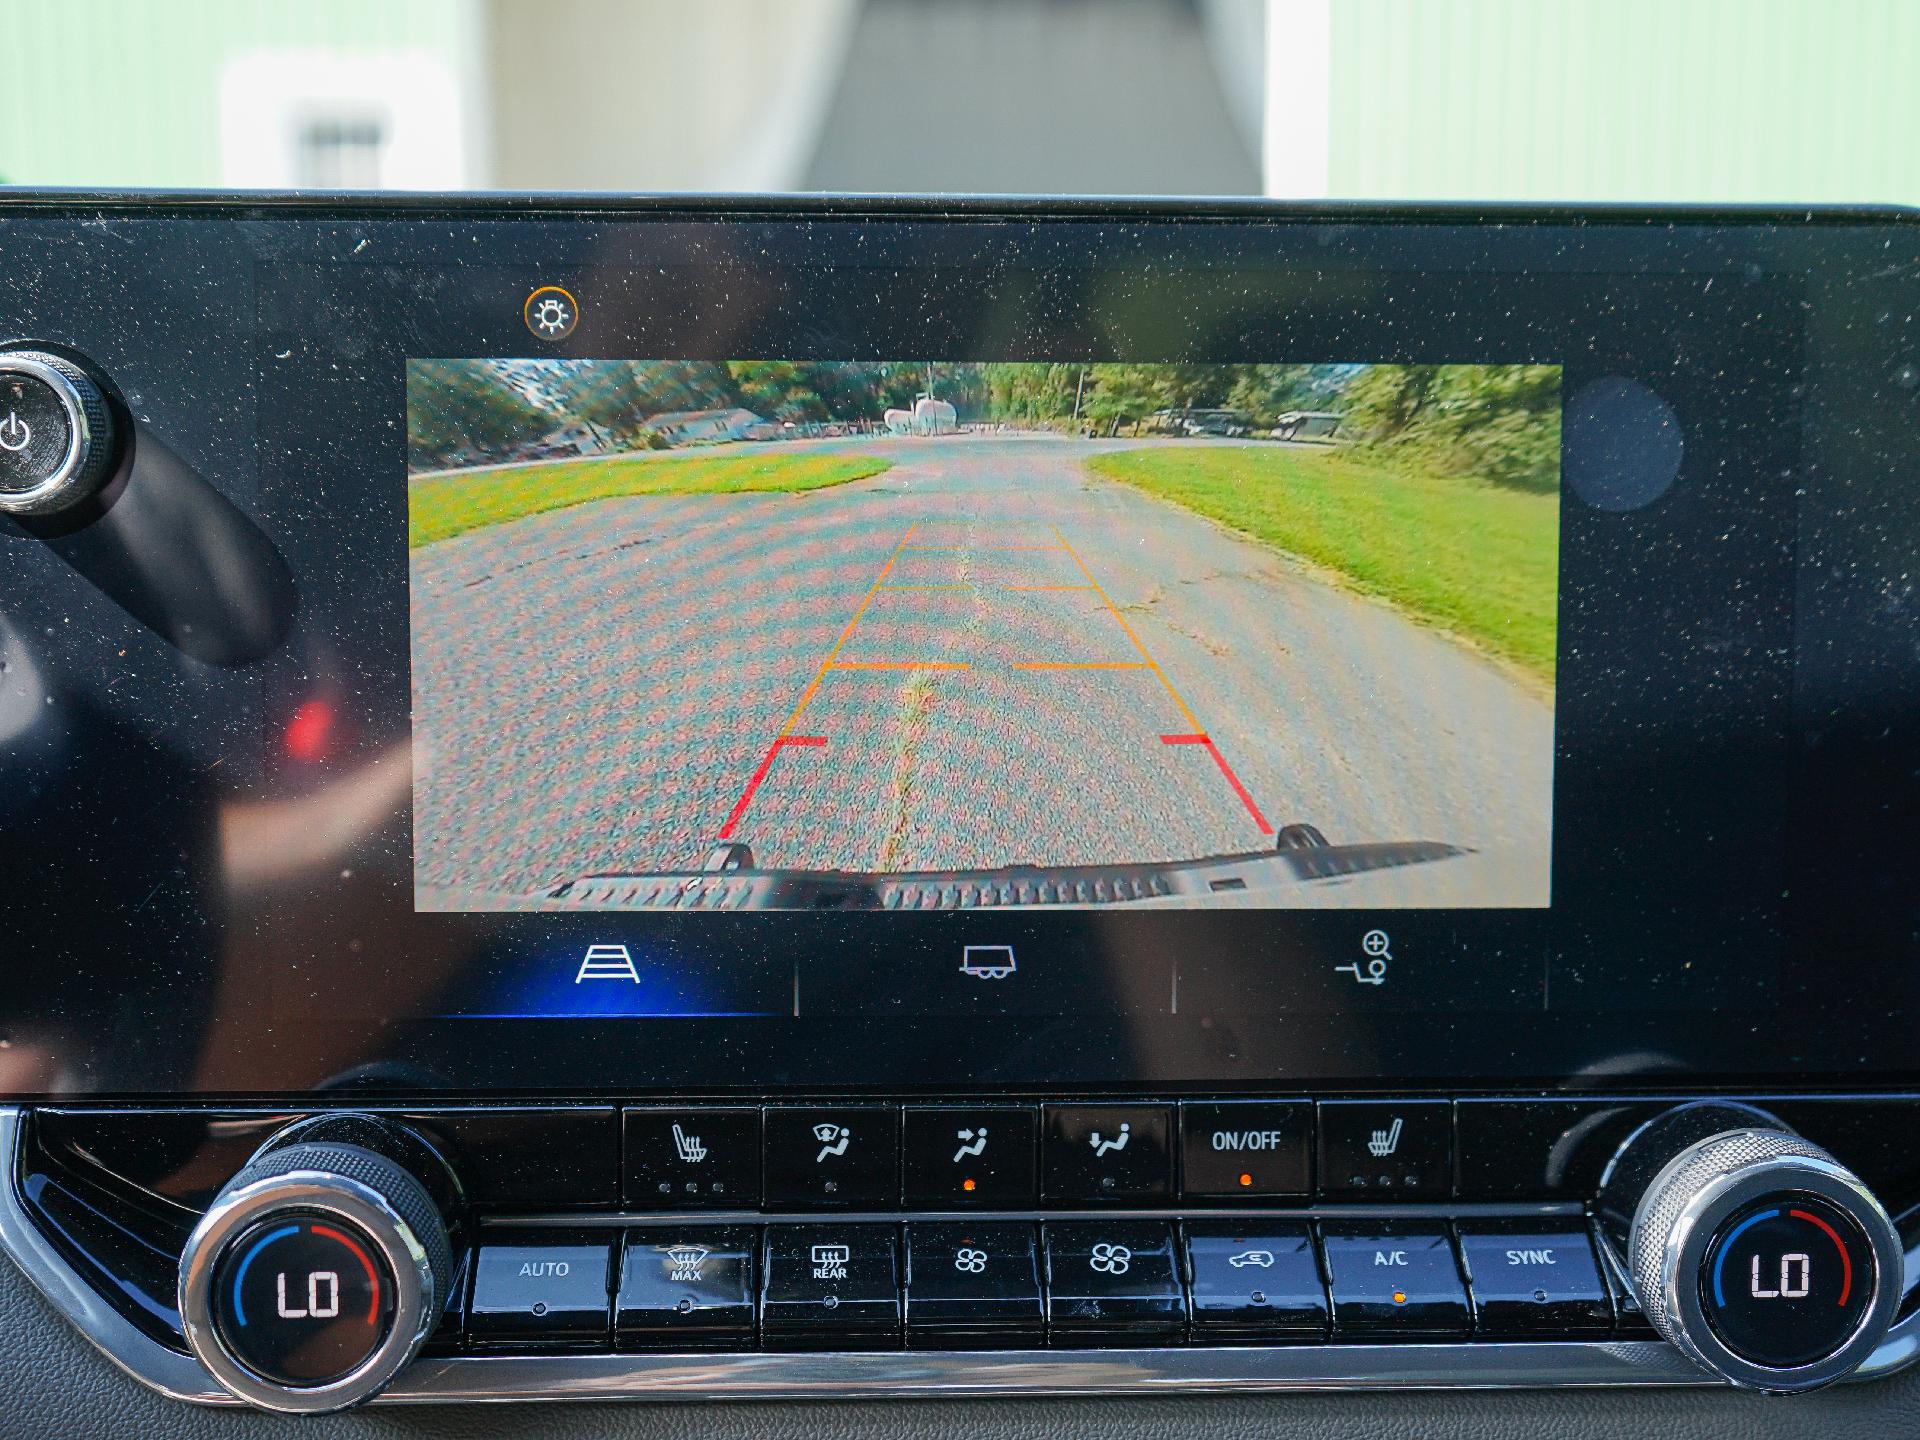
[597,689]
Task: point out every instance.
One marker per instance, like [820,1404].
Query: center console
[619,800]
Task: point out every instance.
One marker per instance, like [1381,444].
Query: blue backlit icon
[607,962]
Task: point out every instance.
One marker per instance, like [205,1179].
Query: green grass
[440,508]
[1466,556]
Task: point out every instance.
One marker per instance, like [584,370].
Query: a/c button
[1386,1280]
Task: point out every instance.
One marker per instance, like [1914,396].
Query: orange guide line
[902,665]
[786,735]
[813,688]
[1079,665]
[1033,549]
[1114,609]
[1046,587]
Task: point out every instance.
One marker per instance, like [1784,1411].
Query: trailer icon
[988,962]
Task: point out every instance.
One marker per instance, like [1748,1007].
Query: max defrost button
[541,1294]
[690,1286]
[1246,1147]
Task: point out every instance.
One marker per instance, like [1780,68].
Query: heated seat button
[1112,1280]
[1246,1147]
[1255,1281]
[1388,1149]
[970,1283]
[541,1294]
[692,1157]
[1097,1153]
[690,1286]
[833,1155]
[981,1157]
[831,1285]
[1391,1280]
[1539,1279]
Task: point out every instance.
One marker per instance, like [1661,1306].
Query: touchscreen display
[1181,635]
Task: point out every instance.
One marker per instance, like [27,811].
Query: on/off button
[1254,1148]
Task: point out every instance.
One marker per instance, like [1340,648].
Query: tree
[456,408]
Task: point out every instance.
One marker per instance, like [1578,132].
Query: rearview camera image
[913,635]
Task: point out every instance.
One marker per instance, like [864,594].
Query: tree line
[1499,422]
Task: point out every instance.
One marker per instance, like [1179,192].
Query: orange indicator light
[1399,1297]
[967,1184]
[1246,1179]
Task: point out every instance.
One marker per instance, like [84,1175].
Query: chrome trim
[365,1210]
[900,1373]
[1198,1210]
[45,496]
[173,1373]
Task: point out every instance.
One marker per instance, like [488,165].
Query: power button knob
[56,442]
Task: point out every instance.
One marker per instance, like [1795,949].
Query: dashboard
[860,798]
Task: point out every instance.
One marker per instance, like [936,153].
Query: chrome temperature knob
[1765,1259]
[314,1277]
[56,442]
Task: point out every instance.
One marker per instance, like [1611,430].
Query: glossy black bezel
[1829,763]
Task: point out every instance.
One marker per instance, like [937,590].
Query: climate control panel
[305,1261]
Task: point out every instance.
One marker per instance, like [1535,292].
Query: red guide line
[1846,1260]
[766,764]
[373,1275]
[1226,770]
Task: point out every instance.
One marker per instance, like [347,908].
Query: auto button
[543,1293]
